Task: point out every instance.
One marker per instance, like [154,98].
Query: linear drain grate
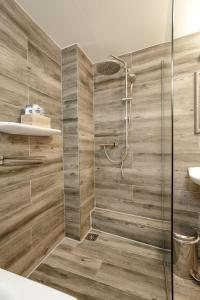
[92,237]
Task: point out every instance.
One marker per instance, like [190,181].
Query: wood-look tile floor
[108,268]
[186,289]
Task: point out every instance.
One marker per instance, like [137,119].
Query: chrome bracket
[113,145]
[127,99]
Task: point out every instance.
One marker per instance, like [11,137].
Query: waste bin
[185,250]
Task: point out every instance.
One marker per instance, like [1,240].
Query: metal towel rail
[20,160]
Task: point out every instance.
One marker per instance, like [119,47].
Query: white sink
[5,293]
[15,287]
[194,174]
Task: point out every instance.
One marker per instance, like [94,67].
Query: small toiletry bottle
[37,109]
[28,109]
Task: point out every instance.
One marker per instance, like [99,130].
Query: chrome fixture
[113,145]
[109,68]
[185,249]
[20,160]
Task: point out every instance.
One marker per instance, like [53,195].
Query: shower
[108,67]
[111,67]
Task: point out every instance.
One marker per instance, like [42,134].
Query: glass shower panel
[186,202]
[167,159]
[167,154]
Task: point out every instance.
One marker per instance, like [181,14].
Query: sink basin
[6,294]
[15,287]
[194,174]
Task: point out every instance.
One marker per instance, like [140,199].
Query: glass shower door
[167,158]
[186,140]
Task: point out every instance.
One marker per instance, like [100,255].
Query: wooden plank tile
[123,253]
[44,185]
[68,244]
[77,97]
[143,169]
[70,136]
[71,171]
[109,243]
[13,92]
[70,110]
[14,198]
[15,249]
[29,198]
[186,54]
[138,284]
[49,147]
[13,65]
[25,217]
[10,113]
[145,230]
[44,101]
[78,286]
[72,222]
[51,165]
[136,200]
[33,258]
[30,29]
[131,246]
[100,269]
[87,204]
[69,73]
[76,263]
[12,37]
[47,222]
[133,176]
[185,289]
[108,197]
[44,73]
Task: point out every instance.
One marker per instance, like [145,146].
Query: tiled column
[77,84]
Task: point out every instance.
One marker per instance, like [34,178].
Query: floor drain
[92,237]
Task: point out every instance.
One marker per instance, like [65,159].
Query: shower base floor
[186,289]
[108,268]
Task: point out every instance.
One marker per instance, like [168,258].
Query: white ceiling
[104,27]
[186,17]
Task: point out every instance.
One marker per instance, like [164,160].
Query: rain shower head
[108,67]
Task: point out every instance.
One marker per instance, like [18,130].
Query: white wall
[187,17]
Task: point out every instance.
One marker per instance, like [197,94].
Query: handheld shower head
[131,77]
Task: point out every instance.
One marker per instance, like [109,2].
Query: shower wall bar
[19,160]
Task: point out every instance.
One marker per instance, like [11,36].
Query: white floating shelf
[23,129]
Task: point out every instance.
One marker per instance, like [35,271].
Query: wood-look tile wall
[131,207]
[78,140]
[186,142]
[31,198]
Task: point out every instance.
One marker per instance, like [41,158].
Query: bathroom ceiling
[103,27]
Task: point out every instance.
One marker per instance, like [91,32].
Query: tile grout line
[134,241]
[132,215]
[46,256]
[62,136]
